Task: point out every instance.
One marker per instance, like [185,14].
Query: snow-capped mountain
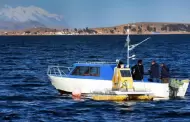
[32,15]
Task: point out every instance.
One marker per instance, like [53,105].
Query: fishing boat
[107,78]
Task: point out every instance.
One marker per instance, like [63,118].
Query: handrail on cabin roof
[79,62]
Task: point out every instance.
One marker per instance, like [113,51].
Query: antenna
[128,41]
[131,47]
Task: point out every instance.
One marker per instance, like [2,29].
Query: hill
[146,28]
[136,28]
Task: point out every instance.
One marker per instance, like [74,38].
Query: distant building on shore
[155,32]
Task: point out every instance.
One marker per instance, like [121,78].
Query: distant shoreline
[103,34]
[141,28]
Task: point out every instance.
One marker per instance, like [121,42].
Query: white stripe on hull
[85,85]
[90,86]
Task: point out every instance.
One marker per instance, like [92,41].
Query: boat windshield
[125,73]
[86,71]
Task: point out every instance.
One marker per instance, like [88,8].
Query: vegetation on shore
[147,28]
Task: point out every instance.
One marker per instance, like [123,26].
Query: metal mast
[128,41]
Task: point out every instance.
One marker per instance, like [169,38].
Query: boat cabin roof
[99,64]
[99,71]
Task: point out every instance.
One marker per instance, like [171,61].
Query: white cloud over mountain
[30,13]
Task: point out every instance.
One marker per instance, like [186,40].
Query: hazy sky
[98,13]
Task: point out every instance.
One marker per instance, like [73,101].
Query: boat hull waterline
[91,86]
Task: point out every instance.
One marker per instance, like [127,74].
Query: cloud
[23,14]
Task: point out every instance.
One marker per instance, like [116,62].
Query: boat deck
[133,93]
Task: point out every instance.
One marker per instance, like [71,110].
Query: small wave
[174,114]
[28,85]
[10,116]
[26,97]
[95,56]
[31,79]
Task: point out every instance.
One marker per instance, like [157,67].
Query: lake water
[26,94]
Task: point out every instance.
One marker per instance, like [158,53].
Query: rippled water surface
[26,94]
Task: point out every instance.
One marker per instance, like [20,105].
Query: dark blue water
[26,94]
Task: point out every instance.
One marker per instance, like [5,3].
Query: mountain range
[29,17]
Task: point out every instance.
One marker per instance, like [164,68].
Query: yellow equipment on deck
[121,97]
[110,97]
[122,79]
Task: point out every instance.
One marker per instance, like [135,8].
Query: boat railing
[58,70]
[89,62]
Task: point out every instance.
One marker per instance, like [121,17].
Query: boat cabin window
[86,71]
[125,73]
[94,71]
